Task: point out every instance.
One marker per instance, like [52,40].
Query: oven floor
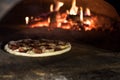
[83,62]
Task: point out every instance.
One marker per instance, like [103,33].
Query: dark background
[116,4]
[35,11]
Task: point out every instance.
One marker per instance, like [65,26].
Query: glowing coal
[77,18]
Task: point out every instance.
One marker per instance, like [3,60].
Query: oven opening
[59,40]
[95,23]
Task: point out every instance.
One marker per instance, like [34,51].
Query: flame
[66,26]
[44,23]
[74,8]
[81,14]
[87,28]
[27,20]
[51,8]
[89,24]
[62,20]
[87,12]
[58,5]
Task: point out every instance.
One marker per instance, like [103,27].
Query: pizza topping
[36,50]
[31,46]
[12,45]
[57,49]
[22,49]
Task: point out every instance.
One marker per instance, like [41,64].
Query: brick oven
[92,28]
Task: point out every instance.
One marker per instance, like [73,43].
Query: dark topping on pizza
[57,49]
[49,47]
[13,47]
[37,46]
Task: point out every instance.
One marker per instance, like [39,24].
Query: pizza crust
[32,54]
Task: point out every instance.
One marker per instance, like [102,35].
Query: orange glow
[51,8]
[58,5]
[74,8]
[66,19]
[60,18]
[87,12]
[88,28]
[44,23]
[81,14]
[66,26]
[89,24]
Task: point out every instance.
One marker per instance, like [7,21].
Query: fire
[74,8]
[66,19]
[87,12]
[87,24]
[51,8]
[58,5]
[44,23]
[81,14]
[90,23]
[26,20]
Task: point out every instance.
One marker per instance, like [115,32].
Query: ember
[77,18]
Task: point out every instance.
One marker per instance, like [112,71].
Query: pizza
[37,48]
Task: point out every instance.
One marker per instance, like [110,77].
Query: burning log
[53,19]
[76,19]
